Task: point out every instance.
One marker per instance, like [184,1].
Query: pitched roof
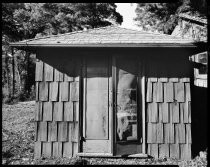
[109,36]
[194,18]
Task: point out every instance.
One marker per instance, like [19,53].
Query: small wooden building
[112,91]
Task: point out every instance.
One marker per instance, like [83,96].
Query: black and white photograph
[105,83]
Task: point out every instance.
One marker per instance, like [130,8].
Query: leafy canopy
[27,20]
[163,17]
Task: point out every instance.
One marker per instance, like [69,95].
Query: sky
[127,10]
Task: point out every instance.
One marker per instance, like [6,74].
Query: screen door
[96,111]
[128,128]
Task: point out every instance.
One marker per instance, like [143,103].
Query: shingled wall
[168,117]
[56,113]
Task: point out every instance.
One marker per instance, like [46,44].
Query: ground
[18,143]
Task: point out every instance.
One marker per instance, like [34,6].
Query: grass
[18,143]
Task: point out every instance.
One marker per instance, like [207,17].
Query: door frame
[141,100]
[112,117]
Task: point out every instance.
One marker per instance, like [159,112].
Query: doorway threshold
[110,155]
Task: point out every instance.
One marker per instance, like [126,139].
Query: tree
[163,17]
[22,21]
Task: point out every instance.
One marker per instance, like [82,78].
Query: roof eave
[21,45]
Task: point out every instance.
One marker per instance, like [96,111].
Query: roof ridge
[68,33]
[143,31]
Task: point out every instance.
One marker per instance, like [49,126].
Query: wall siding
[168,117]
[56,112]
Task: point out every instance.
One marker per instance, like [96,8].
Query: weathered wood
[163,150]
[188,133]
[68,111]
[76,111]
[179,92]
[174,151]
[189,112]
[149,132]
[188,92]
[67,149]
[75,148]
[184,111]
[159,127]
[54,91]
[47,149]
[74,132]
[57,149]
[185,150]
[152,112]
[163,112]
[43,91]
[52,131]
[39,71]
[64,91]
[180,133]
[153,150]
[184,79]
[152,133]
[58,111]
[155,91]
[42,128]
[168,92]
[62,131]
[38,111]
[168,133]
[47,111]
[173,79]
[163,80]
[174,112]
[68,78]
[37,149]
[70,132]
[76,79]
[158,92]
[149,91]
[100,145]
[58,75]
[48,72]
[74,91]
[152,79]
[37,91]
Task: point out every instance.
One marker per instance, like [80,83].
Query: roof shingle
[104,35]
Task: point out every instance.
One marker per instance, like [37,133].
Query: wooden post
[114,98]
[143,109]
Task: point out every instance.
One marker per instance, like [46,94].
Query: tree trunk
[13,73]
[7,73]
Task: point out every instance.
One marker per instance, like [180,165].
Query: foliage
[22,21]
[163,17]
